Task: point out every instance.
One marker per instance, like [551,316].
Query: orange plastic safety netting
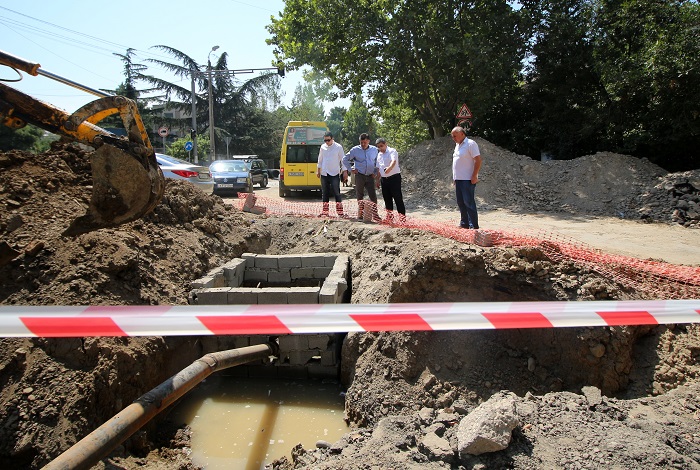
[651,279]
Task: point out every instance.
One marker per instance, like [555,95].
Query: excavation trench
[239,418]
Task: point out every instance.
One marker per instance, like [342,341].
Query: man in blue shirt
[364,159]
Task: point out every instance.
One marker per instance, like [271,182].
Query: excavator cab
[127,181]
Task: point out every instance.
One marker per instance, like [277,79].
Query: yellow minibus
[300,146]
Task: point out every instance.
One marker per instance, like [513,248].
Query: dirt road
[661,242]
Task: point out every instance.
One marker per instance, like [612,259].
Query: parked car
[177,169]
[231,176]
[258,168]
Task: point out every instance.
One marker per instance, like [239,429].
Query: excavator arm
[127,182]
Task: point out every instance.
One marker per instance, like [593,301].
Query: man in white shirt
[466,163]
[330,164]
[388,164]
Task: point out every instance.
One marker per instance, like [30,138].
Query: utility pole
[194,120]
[212,135]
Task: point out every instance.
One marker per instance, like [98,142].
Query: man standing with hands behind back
[466,163]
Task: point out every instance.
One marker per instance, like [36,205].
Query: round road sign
[163,131]
[188,146]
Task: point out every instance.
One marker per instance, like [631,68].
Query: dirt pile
[606,184]
[406,390]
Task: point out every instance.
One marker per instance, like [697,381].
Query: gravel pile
[604,184]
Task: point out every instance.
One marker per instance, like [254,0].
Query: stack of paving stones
[318,278]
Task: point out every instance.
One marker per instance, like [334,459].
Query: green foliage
[306,105]
[177,149]
[26,138]
[401,127]
[336,122]
[648,57]
[358,120]
[437,53]
[563,89]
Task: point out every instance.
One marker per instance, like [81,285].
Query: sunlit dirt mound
[606,184]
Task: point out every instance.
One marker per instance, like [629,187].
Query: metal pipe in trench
[99,443]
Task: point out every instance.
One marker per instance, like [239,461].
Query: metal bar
[99,443]
[77,85]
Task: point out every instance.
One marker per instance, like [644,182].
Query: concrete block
[220,280]
[313,261]
[234,272]
[319,341]
[330,260]
[213,296]
[321,273]
[329,358]
[273,295]
[258,339]
[303,295]
[302,273]
[249,259]
[283,276]
[216,271]
[242,296]
[255,209]
[483,238]
[233,342]
[328,297]
[300,358]
[319,371]
[205,282]
[266,262]
[209,344]
[255,274]
[289,261]
[293,343]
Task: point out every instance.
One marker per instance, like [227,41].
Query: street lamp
[212,136]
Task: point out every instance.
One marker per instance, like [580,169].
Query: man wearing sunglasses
[330,164]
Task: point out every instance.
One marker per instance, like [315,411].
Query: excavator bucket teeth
[125,188]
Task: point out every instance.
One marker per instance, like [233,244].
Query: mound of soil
[604,184]
[406,392]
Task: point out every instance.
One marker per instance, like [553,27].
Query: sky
[77,39]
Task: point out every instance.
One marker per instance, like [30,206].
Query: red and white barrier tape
[35,321]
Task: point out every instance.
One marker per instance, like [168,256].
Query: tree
[563,89]
[25,138]
[177,148]
[648,54]
[401,126]
[437,53]
[306,104]
[336,123]
[357,121]
[239,109]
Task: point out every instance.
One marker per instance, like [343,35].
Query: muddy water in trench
[242,423]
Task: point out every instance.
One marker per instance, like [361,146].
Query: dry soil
[406,391]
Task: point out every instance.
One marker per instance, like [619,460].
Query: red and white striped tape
[33,321]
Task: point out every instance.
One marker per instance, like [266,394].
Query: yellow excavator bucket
[127,181]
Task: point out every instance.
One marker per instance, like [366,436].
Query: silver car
[178,169]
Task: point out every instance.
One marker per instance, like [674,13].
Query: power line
[118,46]
[252,6]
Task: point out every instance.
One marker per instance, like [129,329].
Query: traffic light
[280,70]
[193,134]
